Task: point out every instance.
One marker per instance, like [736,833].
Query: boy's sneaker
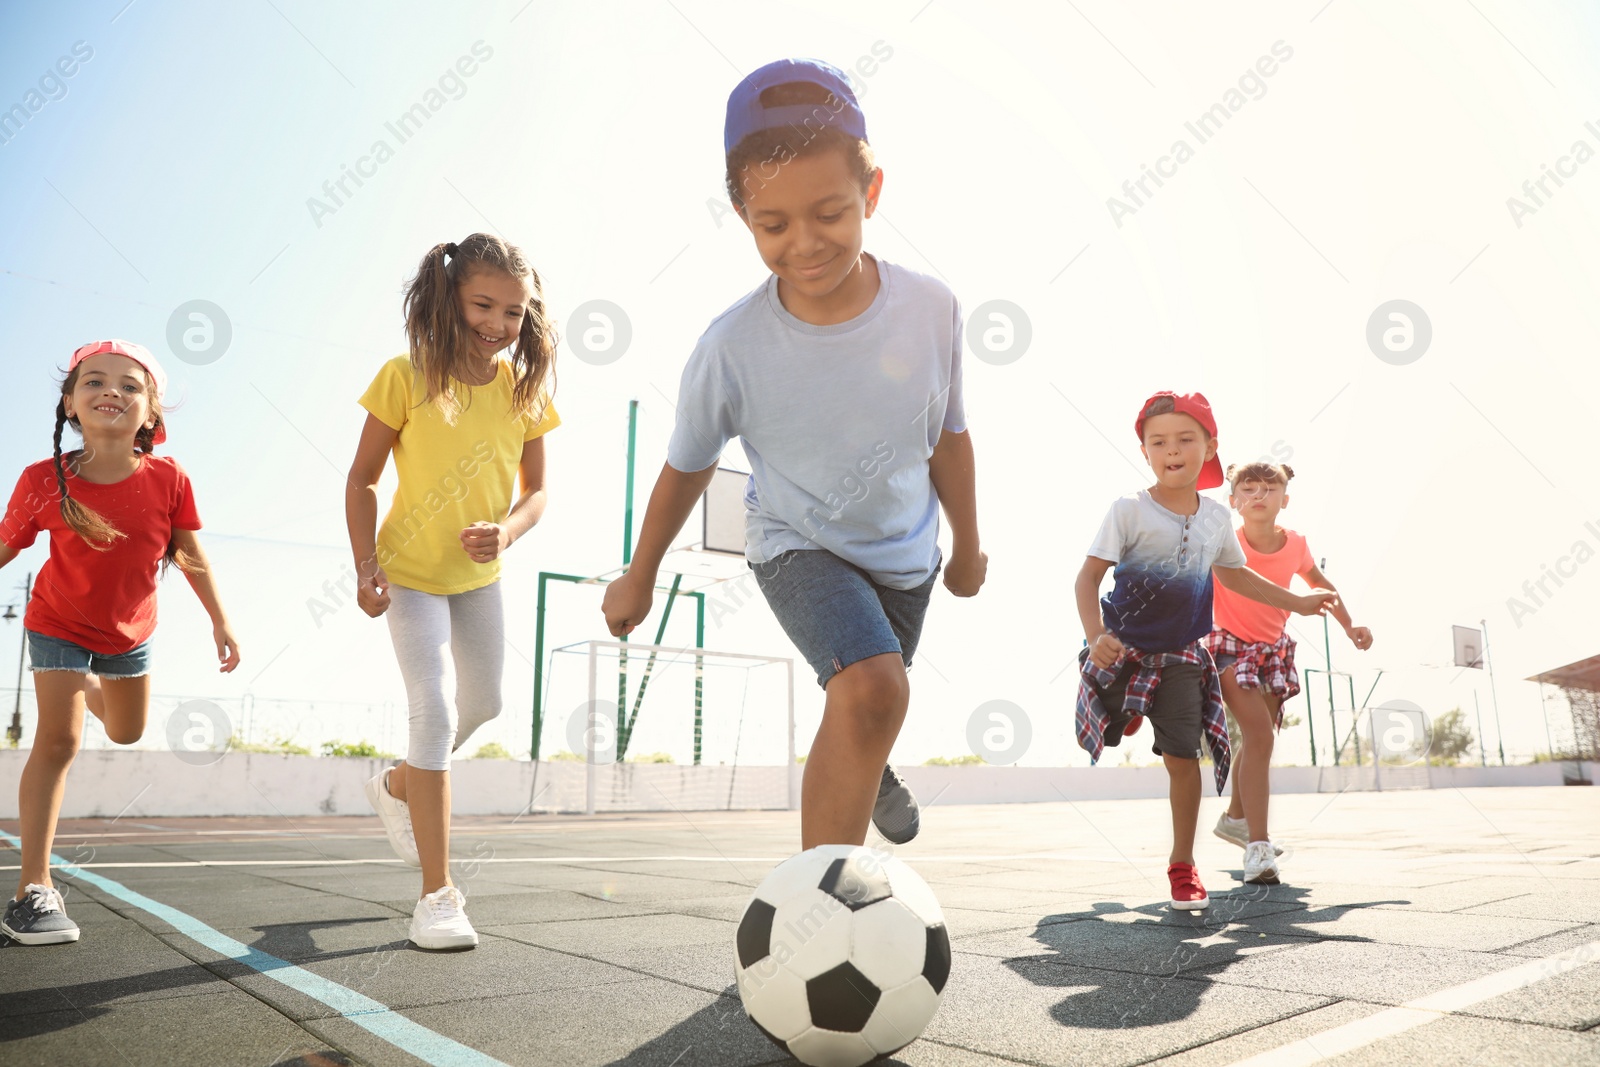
[896,814]
[39,918]
[1260,863]
[440,921]
[396,816]
[1187,892]
[1237,832]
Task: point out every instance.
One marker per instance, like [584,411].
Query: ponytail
[84,521]
[436,331]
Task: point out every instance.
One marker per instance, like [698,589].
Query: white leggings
[472,624]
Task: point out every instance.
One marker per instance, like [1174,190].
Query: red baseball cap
[1198,408]
[136,352]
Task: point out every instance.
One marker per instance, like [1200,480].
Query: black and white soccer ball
[841,955]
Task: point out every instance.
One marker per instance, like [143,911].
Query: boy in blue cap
[841,375]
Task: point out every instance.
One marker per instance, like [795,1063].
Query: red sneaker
[1133,726]
[1187,892]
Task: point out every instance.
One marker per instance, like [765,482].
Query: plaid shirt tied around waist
[1092,716]
[1260,665]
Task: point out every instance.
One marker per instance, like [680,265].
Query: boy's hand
[1317,602]
[372,592]
[484,541]
[227,647]
[1105,649]
[627,602]
[1361,637]
[964,574]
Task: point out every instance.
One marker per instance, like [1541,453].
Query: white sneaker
[440,921]
[1237,832]
[396,816]
[1260,863]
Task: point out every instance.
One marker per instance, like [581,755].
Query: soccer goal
[716,732]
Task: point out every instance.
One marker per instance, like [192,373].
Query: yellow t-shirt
[451,476]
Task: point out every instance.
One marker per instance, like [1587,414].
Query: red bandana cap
[1198,408]
[136,352]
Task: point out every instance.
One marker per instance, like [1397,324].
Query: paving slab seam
[723,992]
[376,1018]
[1419,1011]
[1295,1013]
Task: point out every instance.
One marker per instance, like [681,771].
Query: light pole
[14,731]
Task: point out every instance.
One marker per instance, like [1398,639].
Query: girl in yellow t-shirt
[464,411]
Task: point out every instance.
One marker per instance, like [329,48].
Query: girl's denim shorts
[47,653]
[836,614]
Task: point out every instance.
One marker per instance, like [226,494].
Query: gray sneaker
[39,918]
[896,814]
[1237,832]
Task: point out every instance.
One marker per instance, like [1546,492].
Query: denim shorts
[47,653]
[836,615]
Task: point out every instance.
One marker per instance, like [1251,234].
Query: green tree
[967,760]
[492,750]
[1451,738]
[362,749]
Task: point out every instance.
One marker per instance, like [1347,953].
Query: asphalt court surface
[1439,927]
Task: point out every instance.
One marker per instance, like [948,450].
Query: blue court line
[375,1017]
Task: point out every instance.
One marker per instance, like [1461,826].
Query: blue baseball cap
[746,115]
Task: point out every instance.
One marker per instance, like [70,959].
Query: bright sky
[1372,164]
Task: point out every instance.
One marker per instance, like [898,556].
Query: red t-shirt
[102,600]
[1251,620]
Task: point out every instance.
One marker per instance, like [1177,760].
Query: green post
[627,503]
[538,666]
[1310,725]
[626,725]
[1327,650]
[699,672]
[627,559]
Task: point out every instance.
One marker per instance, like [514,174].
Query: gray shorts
[1176,715]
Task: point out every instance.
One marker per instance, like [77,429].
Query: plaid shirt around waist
[1260,665]
[1092,716]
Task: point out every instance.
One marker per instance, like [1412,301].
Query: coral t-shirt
[102,600]
[1251,620]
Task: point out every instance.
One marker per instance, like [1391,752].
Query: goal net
[659,727]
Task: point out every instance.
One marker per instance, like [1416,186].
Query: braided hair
[95,529]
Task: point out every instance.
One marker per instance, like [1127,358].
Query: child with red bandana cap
[1146,654]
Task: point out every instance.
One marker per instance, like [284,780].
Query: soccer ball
[841,955]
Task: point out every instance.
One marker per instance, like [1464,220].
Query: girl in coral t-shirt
[1255,654]
[117,514]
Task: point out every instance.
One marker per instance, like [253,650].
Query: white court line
[1074,857]
[1414,1013]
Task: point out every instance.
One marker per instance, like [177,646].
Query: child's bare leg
[44,777]
[865,706]
[1253,766]
[1185,797]
[427,794]
[93,698]
[124,706]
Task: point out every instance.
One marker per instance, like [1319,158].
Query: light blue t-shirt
[1161,598]
[838,421]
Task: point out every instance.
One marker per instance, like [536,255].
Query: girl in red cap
[116,513]
[1255,655]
